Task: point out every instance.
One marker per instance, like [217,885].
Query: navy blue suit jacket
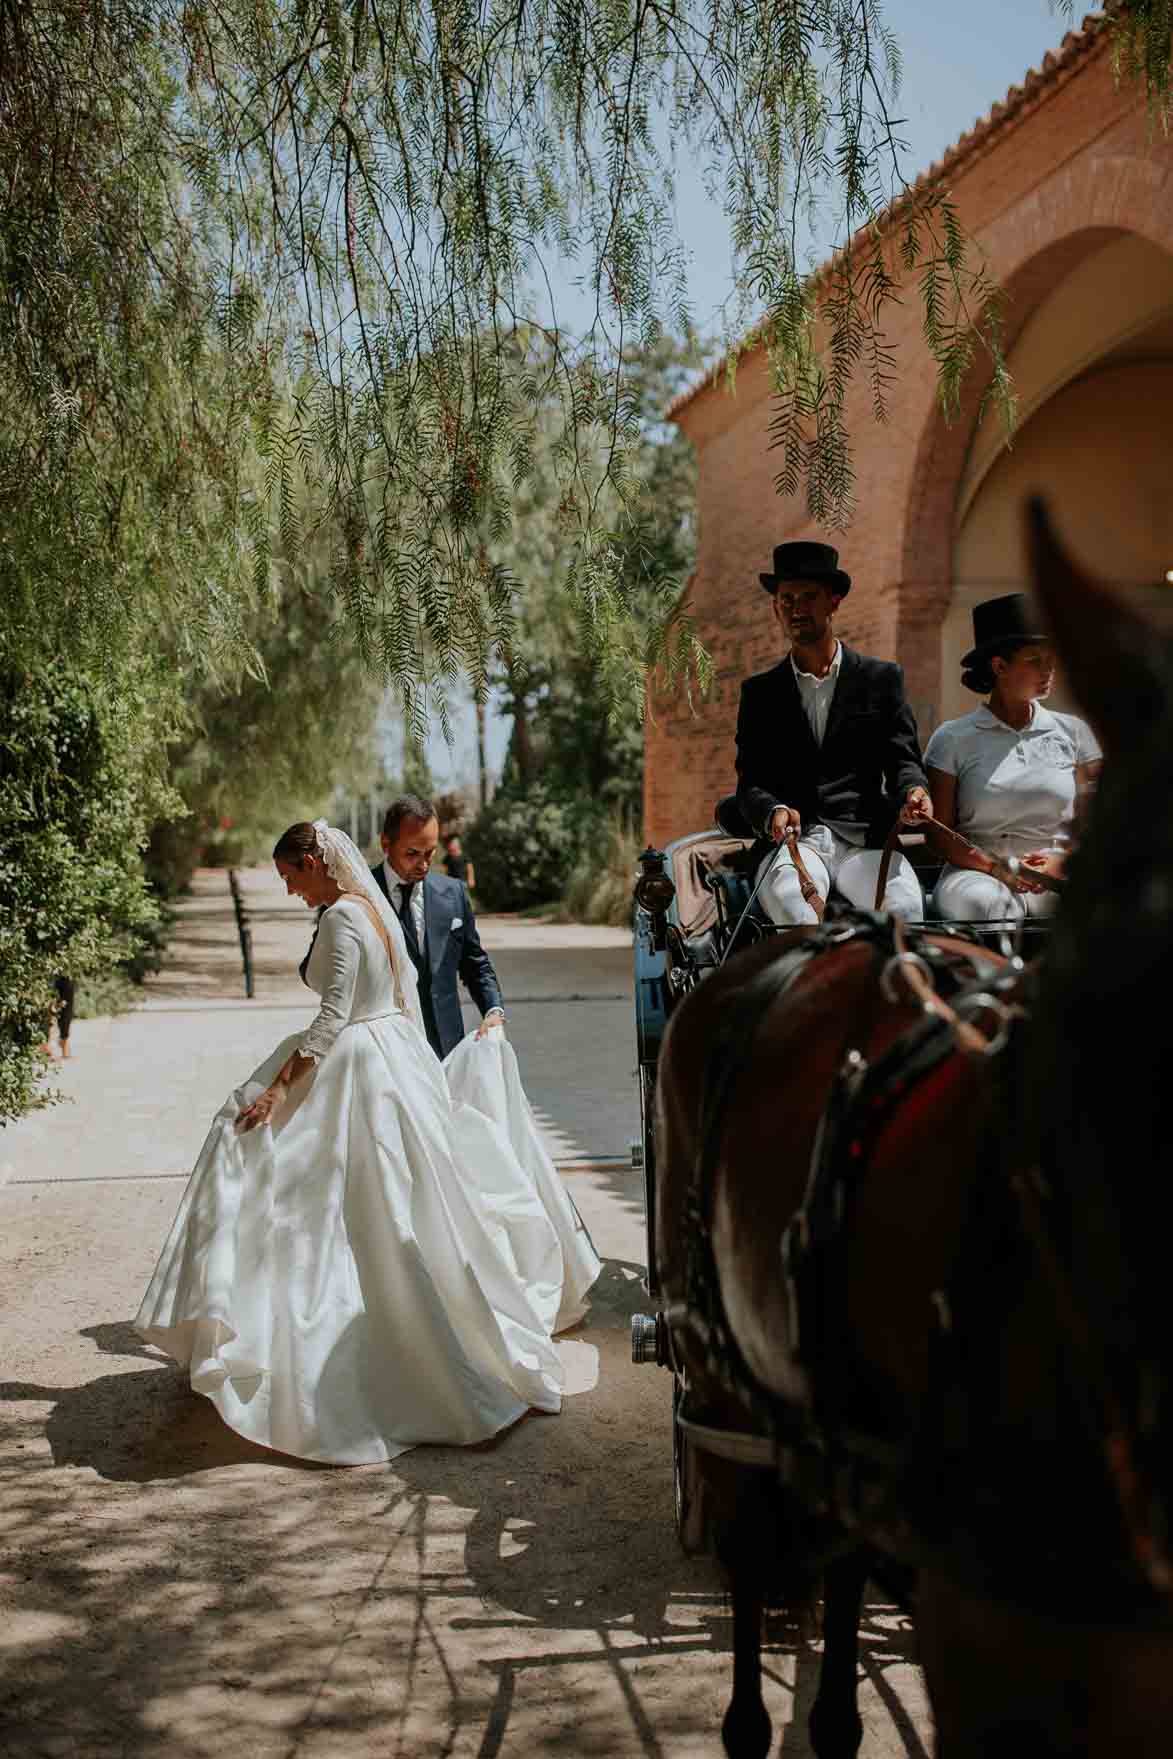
[452,952]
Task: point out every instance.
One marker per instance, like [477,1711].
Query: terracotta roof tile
[1077,47]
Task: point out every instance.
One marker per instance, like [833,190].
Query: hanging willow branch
[375,201]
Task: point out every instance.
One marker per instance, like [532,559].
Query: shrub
[74,798]
[599,886]
[523,847]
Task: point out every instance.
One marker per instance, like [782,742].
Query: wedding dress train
[387,1264]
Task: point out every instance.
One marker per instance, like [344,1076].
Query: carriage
[962,1142]
[695,904]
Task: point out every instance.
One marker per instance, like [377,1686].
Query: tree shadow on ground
[140,1426]
[524,1595]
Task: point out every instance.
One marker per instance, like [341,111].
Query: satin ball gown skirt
[386,1265]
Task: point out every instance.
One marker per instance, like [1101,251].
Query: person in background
[456,863]
[1009,775]
[62,1016]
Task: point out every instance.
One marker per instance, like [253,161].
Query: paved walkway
[169,1592]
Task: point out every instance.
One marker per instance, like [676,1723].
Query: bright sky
[960,58]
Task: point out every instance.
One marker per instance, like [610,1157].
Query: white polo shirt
[1015,785]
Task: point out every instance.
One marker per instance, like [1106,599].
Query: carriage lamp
[654,890]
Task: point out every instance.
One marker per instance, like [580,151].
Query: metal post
[243,930]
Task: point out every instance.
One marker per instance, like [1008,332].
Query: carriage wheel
[687,1487]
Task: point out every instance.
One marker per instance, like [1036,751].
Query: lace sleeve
[338,941]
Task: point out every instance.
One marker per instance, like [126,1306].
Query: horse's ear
[1109,649]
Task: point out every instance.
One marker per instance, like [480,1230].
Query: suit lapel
[380,879]
[435,923]
[790,703]
[845,690]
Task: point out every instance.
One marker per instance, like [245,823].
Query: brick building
[1068,193]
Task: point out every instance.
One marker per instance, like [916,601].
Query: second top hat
[1008,621]
[818,562]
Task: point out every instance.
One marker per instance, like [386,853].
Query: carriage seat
[704,868]
[728,816]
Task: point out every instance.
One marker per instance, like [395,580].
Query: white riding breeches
[831,861]
[964,895]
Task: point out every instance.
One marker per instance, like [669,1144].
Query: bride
[374,1248]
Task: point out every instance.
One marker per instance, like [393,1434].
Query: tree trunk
[523,744]
[482,772]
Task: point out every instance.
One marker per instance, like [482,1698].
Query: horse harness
[858,1479]
[781,1429]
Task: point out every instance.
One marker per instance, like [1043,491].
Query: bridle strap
[806,885]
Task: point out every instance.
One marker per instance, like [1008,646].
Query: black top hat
[1010,621]
[807,562]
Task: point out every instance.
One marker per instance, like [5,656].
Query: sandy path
[169,1591]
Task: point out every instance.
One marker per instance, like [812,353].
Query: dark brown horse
[978,1379]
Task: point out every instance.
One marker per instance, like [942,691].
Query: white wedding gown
[389,1262]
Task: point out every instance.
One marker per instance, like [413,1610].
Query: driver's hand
[916,805]
[782,820]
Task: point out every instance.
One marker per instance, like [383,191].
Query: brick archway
[1030,252]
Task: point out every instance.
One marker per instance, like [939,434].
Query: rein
[951,844]
[806,885]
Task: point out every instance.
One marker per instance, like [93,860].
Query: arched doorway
[1093,368]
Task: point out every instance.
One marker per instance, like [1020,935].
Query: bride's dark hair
[295,844]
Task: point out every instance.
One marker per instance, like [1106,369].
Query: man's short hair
[412,806]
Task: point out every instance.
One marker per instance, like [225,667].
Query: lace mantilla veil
[345,864]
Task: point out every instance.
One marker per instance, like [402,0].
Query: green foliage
[599,886]
[73,807]
[578,723]
[523,847]
[1142,47]
[273,276]
[281,382]
[254,753]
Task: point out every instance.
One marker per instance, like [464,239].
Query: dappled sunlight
[185,1588]
[179,1591]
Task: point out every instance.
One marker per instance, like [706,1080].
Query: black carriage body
[676,942]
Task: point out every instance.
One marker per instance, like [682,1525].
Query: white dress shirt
[816,693]
[395,892]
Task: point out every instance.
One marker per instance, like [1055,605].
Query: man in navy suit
[438,925]
[827,747]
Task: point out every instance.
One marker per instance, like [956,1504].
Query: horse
[902,1235]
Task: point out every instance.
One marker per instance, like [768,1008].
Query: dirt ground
[167,1589]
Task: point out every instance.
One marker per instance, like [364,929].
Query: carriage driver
[826,743]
